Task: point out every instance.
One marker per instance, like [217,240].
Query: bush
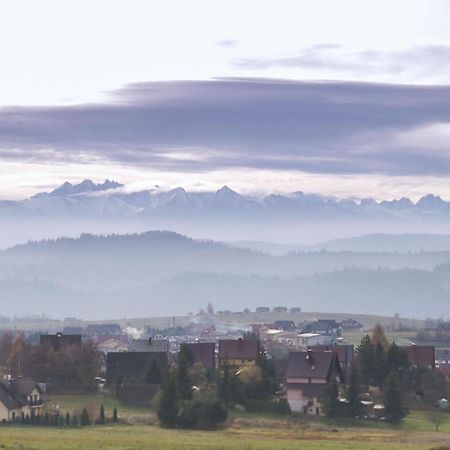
[268,406]
[205,414]
[85,420]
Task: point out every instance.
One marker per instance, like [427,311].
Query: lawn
[245,431]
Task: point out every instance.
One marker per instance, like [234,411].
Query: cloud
[227,43]
[421,61]
[314,127]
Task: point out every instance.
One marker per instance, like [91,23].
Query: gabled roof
[238,349]
[204,352]
[420,355]
[149,345]
[9,398]
[345,352]
[23,386]
[311,364]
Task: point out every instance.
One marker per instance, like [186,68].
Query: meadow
[138,430]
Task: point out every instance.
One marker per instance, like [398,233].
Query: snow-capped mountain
[298,217]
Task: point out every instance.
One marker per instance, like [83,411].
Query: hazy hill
[160,273]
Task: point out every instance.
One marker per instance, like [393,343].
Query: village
[324,367]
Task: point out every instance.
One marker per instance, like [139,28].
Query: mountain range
[297,218]
[164,273]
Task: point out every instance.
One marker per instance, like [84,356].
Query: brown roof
[344,353]
[23,386]
[238,349]
[311,364]
[420,355]
[204,352]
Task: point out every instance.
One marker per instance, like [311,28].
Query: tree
[6,345]
[379,365]
[227,387]
[397,359]
[365,354]
[115,417]
[85,420]
[67,419]
[352,394]
[394,404]
[378,337]
[330,401]
[437,419]
[169,404]
[153,374]
[101,418]
[183,379]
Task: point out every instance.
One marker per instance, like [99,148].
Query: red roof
[237,349]
[420,355]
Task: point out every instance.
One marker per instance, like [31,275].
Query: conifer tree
[365,354]
[330,400]
[67,419]
[227,386]
[395,407]
[183,379]
[85,420]
[115,417]
[379,365]
[352,394]
[101,418]
[169,404]
[153,374]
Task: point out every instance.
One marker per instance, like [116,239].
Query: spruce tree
[394,404]
[169,404]
[85,420]
[330,400]
[183,379]
[101,418]
[365,355]
[67,419]
[153,374]
[379,365]
[352,394]
[227,387]
[115,417]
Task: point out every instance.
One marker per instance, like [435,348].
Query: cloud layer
[314,127]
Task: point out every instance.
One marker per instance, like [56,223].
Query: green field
[138,430]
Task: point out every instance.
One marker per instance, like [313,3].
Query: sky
[344,98]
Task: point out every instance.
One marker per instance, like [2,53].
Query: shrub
[203,414]
[85,420]
[268,406]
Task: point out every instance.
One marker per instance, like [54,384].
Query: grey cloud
[318,127]
[227,43]
[422,61]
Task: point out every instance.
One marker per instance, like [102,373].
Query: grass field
[243,432]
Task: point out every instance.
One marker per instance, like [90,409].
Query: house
[295,310]
[308,375]
[60,340]
[279,309]
[19,397]
[306,340]
[101,329]
[133,366]
[111,344]
[156,344]
[351,324]
[421,355]
[322,326]
[262,309]
[238,352]
[285,325]
[344,352]
[203,352]
[72,330]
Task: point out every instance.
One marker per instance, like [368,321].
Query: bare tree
[436,418]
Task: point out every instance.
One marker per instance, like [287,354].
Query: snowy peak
[83,187]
